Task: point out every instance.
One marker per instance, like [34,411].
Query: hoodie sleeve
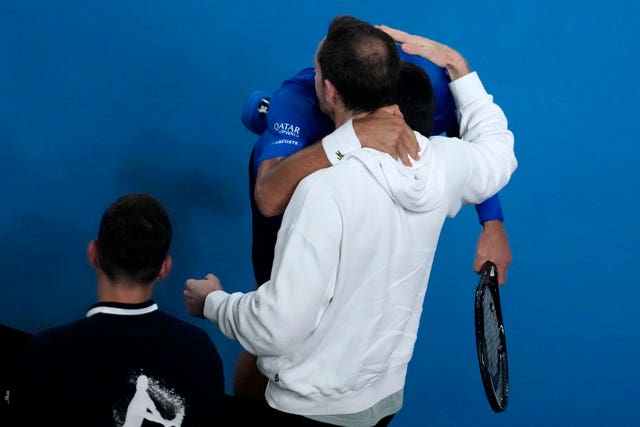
[283,312]
[481,161]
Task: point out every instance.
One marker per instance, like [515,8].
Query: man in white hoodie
[335,326]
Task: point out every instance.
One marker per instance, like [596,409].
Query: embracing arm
[277,178]
[490,159]
[492,243]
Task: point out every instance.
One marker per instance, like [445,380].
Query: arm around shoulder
[277,178]
[485,126]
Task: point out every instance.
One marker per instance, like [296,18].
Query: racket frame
[489,283]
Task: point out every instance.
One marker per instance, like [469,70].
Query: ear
[165,269]
[331,93]
[92,254]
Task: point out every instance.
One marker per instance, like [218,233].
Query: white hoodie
[335,326]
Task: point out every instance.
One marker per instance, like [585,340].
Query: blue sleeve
[294,120]
[490,210]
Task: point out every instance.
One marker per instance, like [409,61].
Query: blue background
[99,99]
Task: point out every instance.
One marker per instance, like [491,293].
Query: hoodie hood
[418,188]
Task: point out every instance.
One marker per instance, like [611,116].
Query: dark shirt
[97,371]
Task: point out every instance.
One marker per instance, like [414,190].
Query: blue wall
[98,100]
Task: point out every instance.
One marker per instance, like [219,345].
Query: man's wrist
[490,210]
[457,67]
[211,302]
[340,142]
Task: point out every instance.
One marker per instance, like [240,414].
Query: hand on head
[438,53]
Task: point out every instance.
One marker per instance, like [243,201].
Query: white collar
[121,311]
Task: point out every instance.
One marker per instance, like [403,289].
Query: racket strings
[494,344]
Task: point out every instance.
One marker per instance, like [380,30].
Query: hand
[438,53]
[493,245]
[196,291]
[385,130]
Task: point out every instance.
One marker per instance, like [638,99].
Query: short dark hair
[414,95]
[134,238]
[361,61]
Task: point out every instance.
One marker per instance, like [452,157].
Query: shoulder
[449,148]
[294,120]
[61,331]
[304,78]
[330,185]
[294,109]
[297,93]
[184,331]
[56,339]
[316,189]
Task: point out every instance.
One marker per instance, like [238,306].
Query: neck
[342,116]
[126,292]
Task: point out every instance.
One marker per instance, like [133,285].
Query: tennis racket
[491,342]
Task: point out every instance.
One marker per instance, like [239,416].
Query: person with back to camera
[126,363]
[335,326]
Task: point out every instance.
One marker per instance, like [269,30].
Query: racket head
[491,341]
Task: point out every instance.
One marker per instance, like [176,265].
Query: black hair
[134,238]
[361,61]
[414,95]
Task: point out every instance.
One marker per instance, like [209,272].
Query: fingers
[408,147]
[193,301]
[394,110]
[209,282]
[502,275]
[428,49]
[477,264]
[501,270]
[397,35]
[196,291]
[438,53]
[409,41]
[385,130]
[411,44]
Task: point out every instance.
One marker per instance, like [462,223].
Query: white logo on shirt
[286,141]
[144,405]
[287,129]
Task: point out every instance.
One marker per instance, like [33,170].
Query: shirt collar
[122,309]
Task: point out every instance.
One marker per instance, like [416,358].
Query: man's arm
[492,243]
[287,151]
[277,178]
[281,313]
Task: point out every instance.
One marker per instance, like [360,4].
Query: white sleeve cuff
[467,89]
[340,142]
[211,304]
